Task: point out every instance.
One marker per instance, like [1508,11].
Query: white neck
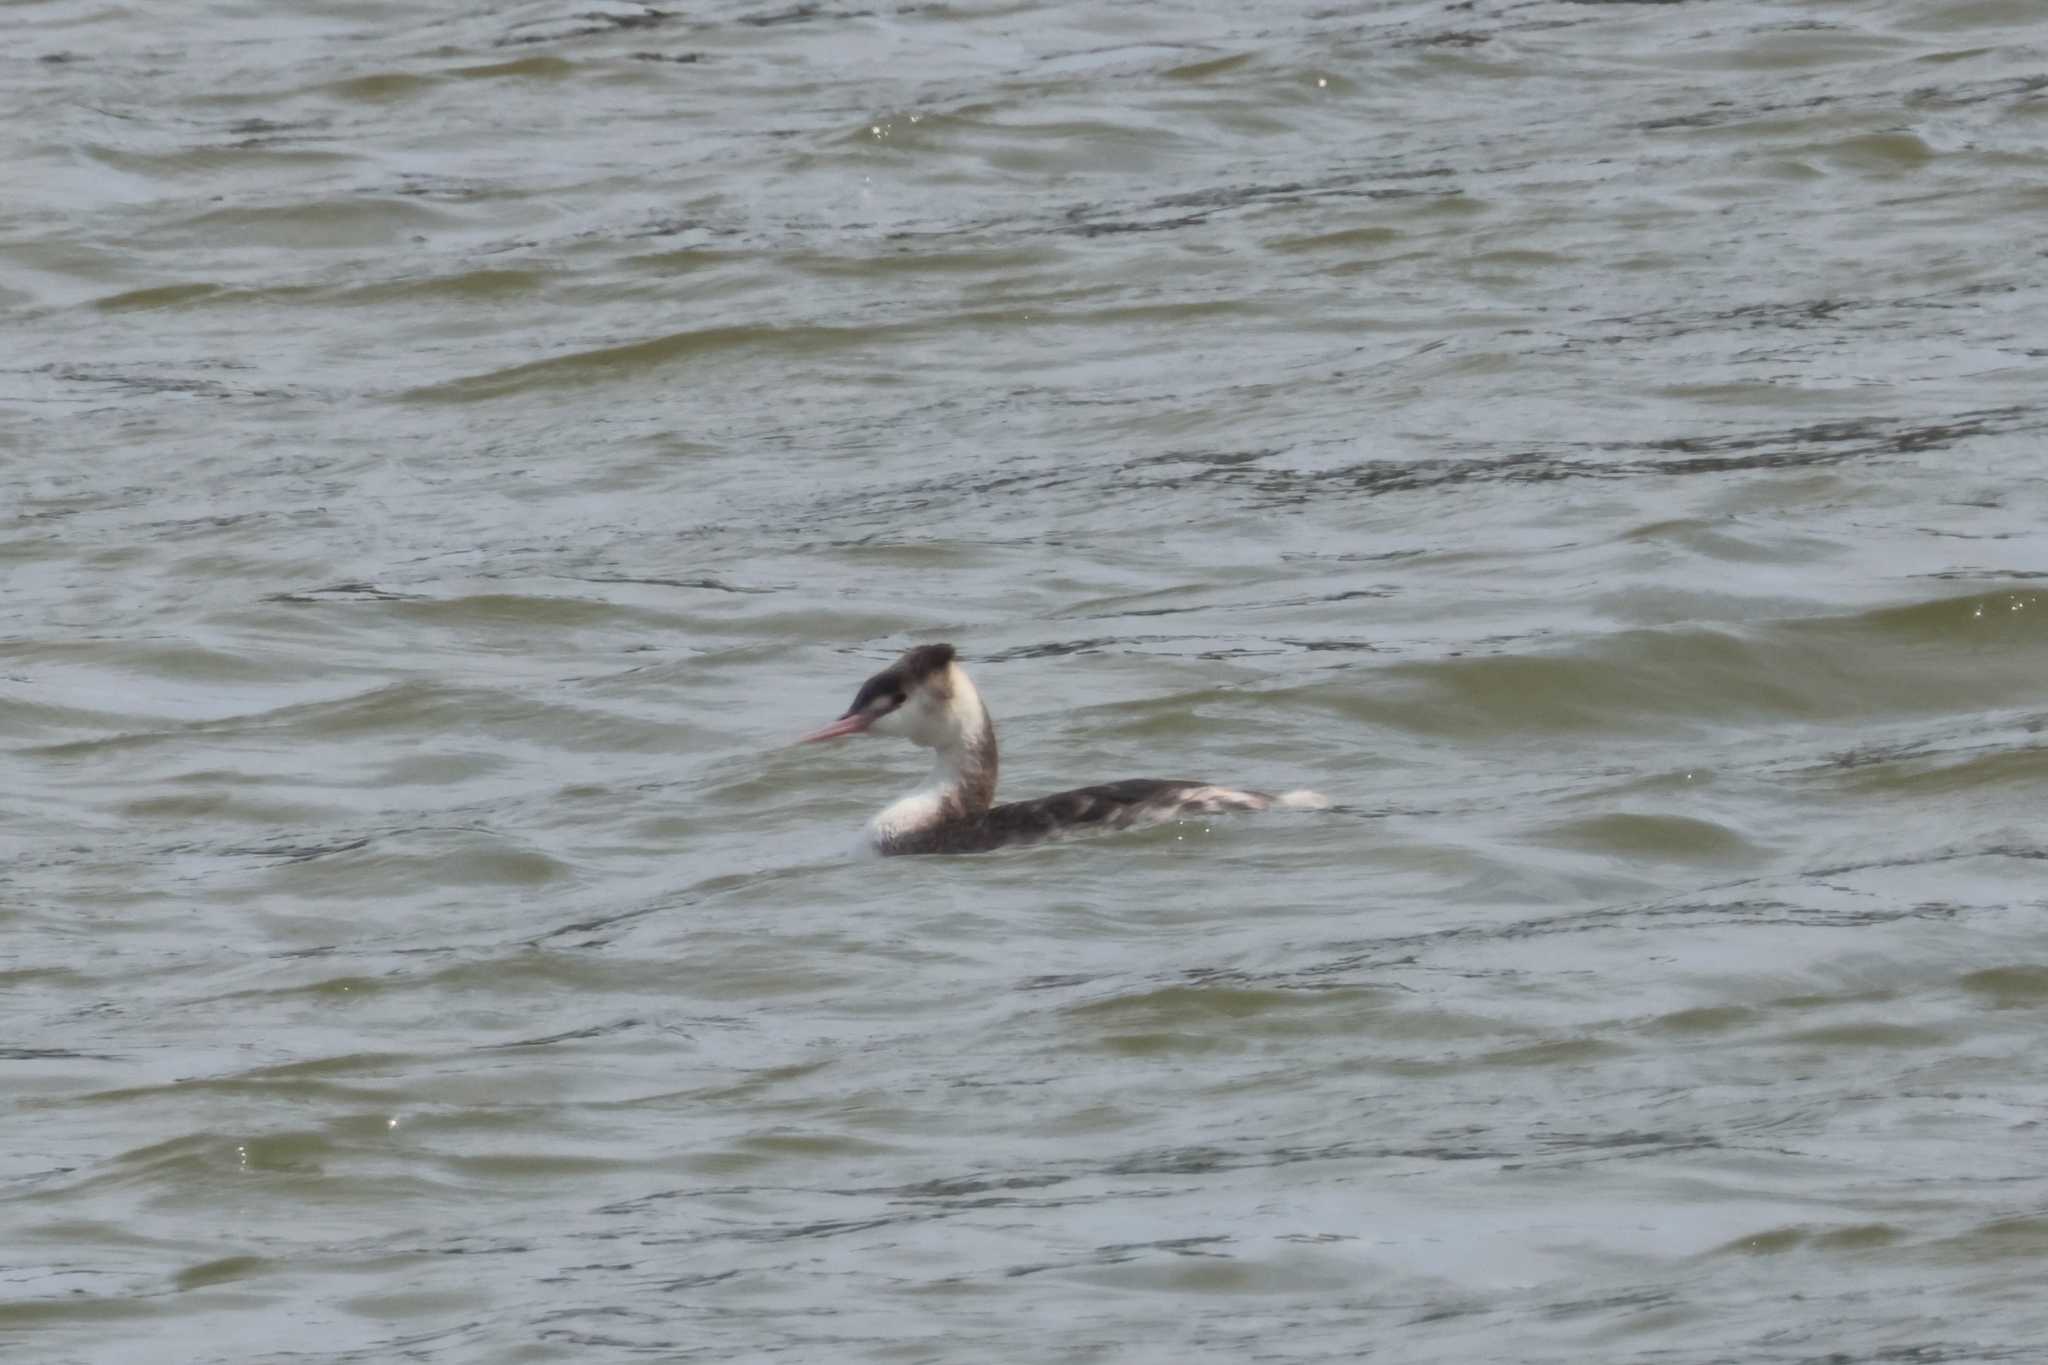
[929,805]
[963,777]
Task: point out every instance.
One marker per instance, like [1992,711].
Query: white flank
[921,809]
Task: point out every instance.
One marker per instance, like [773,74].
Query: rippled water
[446,453]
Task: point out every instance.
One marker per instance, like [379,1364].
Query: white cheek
[917,720]
[923,722]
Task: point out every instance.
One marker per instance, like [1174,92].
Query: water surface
[444,456]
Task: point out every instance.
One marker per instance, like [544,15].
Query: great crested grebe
[926,698]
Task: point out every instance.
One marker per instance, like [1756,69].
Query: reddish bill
[845,725]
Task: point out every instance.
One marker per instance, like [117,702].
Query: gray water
[447,452]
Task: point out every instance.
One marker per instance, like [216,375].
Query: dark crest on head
[894,682]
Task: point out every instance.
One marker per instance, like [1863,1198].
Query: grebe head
[920,697]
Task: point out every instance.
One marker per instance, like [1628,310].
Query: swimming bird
[927,698]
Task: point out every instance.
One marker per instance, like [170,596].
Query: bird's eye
[899,699]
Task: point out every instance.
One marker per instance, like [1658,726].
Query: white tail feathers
[1212,799]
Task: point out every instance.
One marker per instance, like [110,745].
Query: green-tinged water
[447,453]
